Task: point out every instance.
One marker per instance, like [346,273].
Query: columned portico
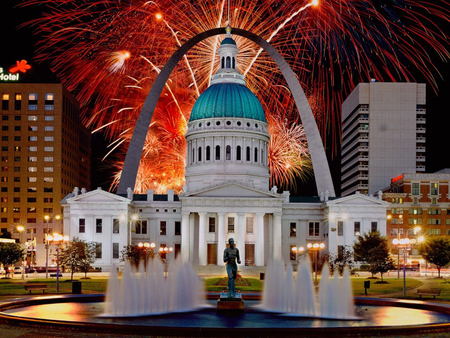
[202,247]
[259,254]
[240,242]
[185,236]
[277,236]
[221,233]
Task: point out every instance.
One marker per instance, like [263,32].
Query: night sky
[19,44]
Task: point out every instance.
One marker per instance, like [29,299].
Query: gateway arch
[321,169]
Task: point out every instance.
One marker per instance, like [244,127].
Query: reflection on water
[90,312]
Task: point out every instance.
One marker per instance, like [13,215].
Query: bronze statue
[231,257]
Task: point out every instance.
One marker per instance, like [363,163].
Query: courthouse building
[226,194]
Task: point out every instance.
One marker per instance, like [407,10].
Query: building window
[357,228]
[32,179]
[292,254]
[208,153]
[115,250]
[162,228]
[199,154]
[32,159]
[249,225]
[49,103]
[144,227]
[340,228]
[48,169]
[116,225]
[48,148]
[247,155]
[256,155]
[48,138]
[48,159]
[293,229]
[217,152]
[313,228]
[433,231]
[177,228]
[228,153]
[434,221]
[98,250]
[415,189]
[17,138]
[49,128]
[32,138]
[230,224]
[48,179]
[81,225]
[32,101]
[31,220]
[373,226]
[32,118]
[415,211]
[98,225]
[238,153]
[434,211]
[49,118]
[414,221]
[31,210]
[212,224]
[5,101]
[434,188]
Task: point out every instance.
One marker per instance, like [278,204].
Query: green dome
[227,100]
[228,41]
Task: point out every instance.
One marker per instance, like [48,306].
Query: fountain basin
[82,313]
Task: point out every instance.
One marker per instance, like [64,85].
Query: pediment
[230,190]
[98,196]
[357,199]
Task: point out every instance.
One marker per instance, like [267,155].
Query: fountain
[298,297]
[147,292]
[147,301]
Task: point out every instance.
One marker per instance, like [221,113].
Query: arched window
[228,62]
[234,63]
[238,153]
[199,154]
[193,155]
[247,155]
[256,155]
[208,153]
[223,62]
[262,156]
[228,153]
[217,152]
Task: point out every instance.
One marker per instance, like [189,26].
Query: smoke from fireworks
[109,52]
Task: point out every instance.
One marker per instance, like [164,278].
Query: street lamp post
[315,247]
[47,218]
[58,240]
[298,251]
[404,243]
[20,229]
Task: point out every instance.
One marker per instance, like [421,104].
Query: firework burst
[109,53]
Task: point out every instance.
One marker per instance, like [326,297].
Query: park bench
[35,286]
[428,292]
[54,274]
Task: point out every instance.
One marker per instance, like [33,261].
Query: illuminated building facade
[45,152]
[383,135]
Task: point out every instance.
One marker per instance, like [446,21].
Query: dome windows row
[241,154]
[228,62]
[228,123]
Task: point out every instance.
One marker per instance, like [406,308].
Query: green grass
[15,285]
[394,285]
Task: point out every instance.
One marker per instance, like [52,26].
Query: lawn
[393,285]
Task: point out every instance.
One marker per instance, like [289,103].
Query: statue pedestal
[226,303]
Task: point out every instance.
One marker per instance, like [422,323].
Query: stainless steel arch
[321,169]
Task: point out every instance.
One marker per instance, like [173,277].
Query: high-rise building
[45,152]
[383,135]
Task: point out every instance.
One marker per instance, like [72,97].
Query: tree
[436,250]
[10,253]
[373,249]
[135,253]
[343,259]
[78,255]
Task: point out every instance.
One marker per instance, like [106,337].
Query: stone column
[185,235]
[240,240]
[202,247]
[277,236]
[259,247]
[221,235]
[192,253]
